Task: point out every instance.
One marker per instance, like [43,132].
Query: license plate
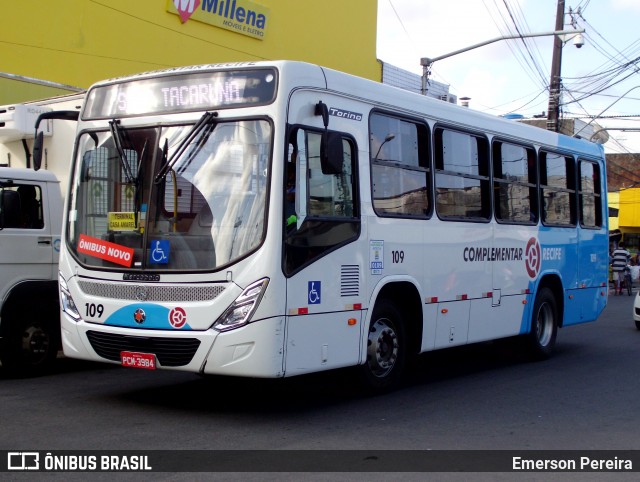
[138,360]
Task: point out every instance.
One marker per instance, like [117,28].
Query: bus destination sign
[182,92]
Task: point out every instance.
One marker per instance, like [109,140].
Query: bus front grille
[170,352]
[154,293]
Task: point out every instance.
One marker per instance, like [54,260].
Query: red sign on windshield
[99,248]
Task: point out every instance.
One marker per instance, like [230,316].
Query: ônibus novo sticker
[98,248]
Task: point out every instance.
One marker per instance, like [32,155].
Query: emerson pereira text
[572,464]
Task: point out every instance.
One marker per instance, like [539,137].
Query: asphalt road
[484,396]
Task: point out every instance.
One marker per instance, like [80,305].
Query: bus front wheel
[386,348]
[544,325]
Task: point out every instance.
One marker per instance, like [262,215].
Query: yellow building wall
[78,42]
[613,199]
[629,214]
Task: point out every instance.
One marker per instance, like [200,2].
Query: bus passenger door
[322,261]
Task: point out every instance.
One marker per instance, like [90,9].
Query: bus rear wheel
[544,325]
[386,348]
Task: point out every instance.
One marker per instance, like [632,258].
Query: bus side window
[557,186]
[330,195]
[462,175]
[590,195]
[515,183]
[318,193]
[399,156]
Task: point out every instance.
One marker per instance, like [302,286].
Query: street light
[622,129]
[427,62]
[388,138]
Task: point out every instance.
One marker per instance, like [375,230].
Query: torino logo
[186,8]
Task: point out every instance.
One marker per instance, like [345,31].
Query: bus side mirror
[37,151]
[331,153]
[322,110]
[71,115]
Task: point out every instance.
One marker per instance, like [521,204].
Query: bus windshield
[171,197]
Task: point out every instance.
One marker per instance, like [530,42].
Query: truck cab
[30,226]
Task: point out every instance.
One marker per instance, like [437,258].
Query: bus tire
[31,344]
[637,324]
[544,325]
[386,348]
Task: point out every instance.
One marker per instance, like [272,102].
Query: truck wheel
[544,325]
[30,347]
[386,348]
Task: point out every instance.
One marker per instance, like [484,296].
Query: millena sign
[240,16]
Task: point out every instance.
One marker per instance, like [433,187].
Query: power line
[401,22]
[535,67]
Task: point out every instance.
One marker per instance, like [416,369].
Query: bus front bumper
[254,350]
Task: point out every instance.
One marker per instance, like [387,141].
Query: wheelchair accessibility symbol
[159,252]
[314,292]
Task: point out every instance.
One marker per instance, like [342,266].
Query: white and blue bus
[271,219]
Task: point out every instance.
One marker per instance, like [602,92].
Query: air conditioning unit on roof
[18,122]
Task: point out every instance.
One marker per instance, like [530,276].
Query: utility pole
[556,66]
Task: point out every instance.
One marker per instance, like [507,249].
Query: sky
[505,77]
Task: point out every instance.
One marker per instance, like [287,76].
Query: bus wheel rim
[383,347]
[544,326]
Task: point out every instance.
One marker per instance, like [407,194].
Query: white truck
[30,226]
[31,206]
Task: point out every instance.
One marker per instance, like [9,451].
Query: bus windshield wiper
[138,183]
[204,121]
[116,133]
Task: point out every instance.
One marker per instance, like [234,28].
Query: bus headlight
[242,309]
[66,301]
